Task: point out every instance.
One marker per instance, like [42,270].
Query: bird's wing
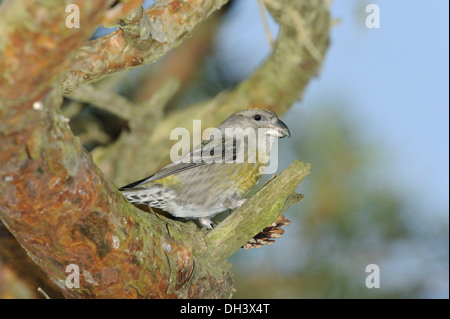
[209,151]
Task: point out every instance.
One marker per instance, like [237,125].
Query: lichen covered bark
[56,201]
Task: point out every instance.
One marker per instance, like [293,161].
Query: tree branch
[107,100]
[136,27]
[257,212]
[170,22]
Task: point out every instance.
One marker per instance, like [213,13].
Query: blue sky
[398,74]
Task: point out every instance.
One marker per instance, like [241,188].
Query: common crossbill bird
[215,175]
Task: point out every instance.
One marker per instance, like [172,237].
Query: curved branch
[168,23]
[257,212]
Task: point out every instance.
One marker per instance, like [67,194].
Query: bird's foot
[206,222]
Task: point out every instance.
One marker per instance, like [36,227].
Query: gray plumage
[216,174]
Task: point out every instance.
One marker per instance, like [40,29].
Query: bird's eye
[257,117]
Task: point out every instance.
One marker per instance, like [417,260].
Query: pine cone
[268,235]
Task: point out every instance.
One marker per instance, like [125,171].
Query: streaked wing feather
[193,159]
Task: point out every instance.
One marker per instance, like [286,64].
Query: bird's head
[257,118]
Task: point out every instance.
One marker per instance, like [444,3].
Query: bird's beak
[279,130]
